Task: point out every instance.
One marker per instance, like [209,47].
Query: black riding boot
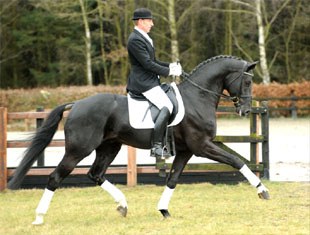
[159,132]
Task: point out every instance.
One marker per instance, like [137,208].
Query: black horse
[101,123]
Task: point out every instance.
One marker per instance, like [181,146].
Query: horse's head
[239,86]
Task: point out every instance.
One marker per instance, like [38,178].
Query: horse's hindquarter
[103,117]
[87,121]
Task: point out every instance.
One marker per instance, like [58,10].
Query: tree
[288,37]
[83,5]
[64,42]
[261,43]
[173,31]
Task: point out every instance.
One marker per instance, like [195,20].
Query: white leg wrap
[250,176]
[117,194]
[261,189]
[165,199]
[43,206]
[45,202]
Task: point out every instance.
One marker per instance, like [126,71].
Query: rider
[144,75]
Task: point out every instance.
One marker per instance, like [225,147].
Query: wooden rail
[292,108]
[132,169]
[254,139]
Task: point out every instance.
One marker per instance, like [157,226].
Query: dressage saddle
[168,138]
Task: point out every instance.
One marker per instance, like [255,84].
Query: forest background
[47,43]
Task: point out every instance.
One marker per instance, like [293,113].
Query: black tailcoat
[144,66]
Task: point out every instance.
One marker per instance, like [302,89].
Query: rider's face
[146,24]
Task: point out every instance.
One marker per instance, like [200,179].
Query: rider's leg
[159,98]
[159,132]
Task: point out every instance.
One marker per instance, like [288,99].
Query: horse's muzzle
[243,111]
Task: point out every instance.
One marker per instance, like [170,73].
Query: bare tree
[228,28]
[261,43]
[287,39]
[87,43]
[173,31]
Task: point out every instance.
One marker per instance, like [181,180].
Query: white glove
[175,69]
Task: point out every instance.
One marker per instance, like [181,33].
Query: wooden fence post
[265,143]
[254,148]
[131,167]
[39,123]
[3,146]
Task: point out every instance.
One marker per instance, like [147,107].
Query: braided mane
[213,59]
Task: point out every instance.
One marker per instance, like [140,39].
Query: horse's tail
[39,142]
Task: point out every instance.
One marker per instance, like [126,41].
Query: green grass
[195,209]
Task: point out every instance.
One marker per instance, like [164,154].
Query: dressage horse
[101,123]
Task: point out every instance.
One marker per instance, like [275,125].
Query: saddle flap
[142,114]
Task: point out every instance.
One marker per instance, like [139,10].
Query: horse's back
[95,104]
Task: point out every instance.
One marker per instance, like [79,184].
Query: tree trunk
[173,32]
[87,44]
[261,43]
[287,40]
[103,54]
[228,28]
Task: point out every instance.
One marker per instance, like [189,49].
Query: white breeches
[159,98]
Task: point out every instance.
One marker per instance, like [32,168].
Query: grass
[196,209]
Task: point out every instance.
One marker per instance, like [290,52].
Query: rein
[186,77]
[234,99]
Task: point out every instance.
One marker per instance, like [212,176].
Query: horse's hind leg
[105,154]
[63,169]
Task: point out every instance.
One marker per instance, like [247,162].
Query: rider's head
[143,19]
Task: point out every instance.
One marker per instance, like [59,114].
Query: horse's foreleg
[214,152]
[63,170]
[175,172]
[262,191]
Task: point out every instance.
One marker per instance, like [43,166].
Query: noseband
[234,99]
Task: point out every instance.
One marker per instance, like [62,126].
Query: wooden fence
[256,136]
[287,106]
[132,170]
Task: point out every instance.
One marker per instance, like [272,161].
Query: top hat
[142,13]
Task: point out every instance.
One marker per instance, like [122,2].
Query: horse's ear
[251,66]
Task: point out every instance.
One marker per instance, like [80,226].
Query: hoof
[264,195]
[122,210]
[165,213]
[39,220]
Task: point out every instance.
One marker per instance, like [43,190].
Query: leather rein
[234,99]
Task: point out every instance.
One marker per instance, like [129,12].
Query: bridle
[234,99]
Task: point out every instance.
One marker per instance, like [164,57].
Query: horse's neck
[210,79]
[198,98]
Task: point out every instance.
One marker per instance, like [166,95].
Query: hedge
[22,100]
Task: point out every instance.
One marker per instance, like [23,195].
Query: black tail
[39,142]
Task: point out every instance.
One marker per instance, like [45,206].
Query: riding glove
[175,69]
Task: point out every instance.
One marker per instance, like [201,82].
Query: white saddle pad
[140,114]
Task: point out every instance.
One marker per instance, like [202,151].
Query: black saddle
[169,90]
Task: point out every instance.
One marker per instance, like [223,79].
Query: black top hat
[142,13]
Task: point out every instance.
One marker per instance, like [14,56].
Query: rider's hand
[175,69]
